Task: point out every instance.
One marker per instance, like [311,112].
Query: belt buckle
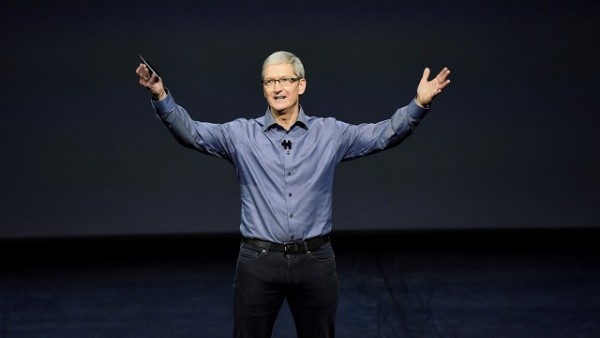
[291,247]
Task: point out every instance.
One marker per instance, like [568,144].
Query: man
[285,162]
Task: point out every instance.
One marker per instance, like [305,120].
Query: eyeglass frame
[284,82]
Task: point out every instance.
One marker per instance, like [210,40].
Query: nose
[277,86]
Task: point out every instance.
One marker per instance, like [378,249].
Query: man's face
[281,96]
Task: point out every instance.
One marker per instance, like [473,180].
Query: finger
[145,78]
[154,79]
[143,71]
[144,83]
[444,84]
[443,75]
[140,70]
[426,73]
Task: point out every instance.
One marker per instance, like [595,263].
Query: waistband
[289,248]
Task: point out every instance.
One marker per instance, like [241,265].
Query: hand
[427,90]
[152,83]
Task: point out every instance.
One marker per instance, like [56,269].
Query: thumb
[426,73]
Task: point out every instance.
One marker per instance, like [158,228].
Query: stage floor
[401,284]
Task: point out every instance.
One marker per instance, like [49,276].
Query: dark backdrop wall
[513,143]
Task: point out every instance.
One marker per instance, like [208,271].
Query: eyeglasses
[285,82]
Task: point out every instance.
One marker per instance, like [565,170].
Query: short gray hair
[284,57]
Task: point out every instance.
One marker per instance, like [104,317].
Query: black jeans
[265,278]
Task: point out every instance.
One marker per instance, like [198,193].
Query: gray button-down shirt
[286,188]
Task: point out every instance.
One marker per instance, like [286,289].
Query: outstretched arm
[427,90]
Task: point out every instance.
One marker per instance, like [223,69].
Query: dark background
[512,143]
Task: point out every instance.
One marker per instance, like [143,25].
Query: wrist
[421,104]
[160,96]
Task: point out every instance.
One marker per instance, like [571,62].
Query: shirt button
[291,215]
[289,173]
[290,194]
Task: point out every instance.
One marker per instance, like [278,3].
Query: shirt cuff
[415,111]
[165,106]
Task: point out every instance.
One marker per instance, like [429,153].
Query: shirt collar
[269,120]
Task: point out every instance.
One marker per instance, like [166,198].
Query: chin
[280,108]
[278,111]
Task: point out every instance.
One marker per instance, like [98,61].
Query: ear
[302,86]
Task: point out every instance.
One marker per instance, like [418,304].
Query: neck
[286,118]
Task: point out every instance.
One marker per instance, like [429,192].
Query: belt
[289,248]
